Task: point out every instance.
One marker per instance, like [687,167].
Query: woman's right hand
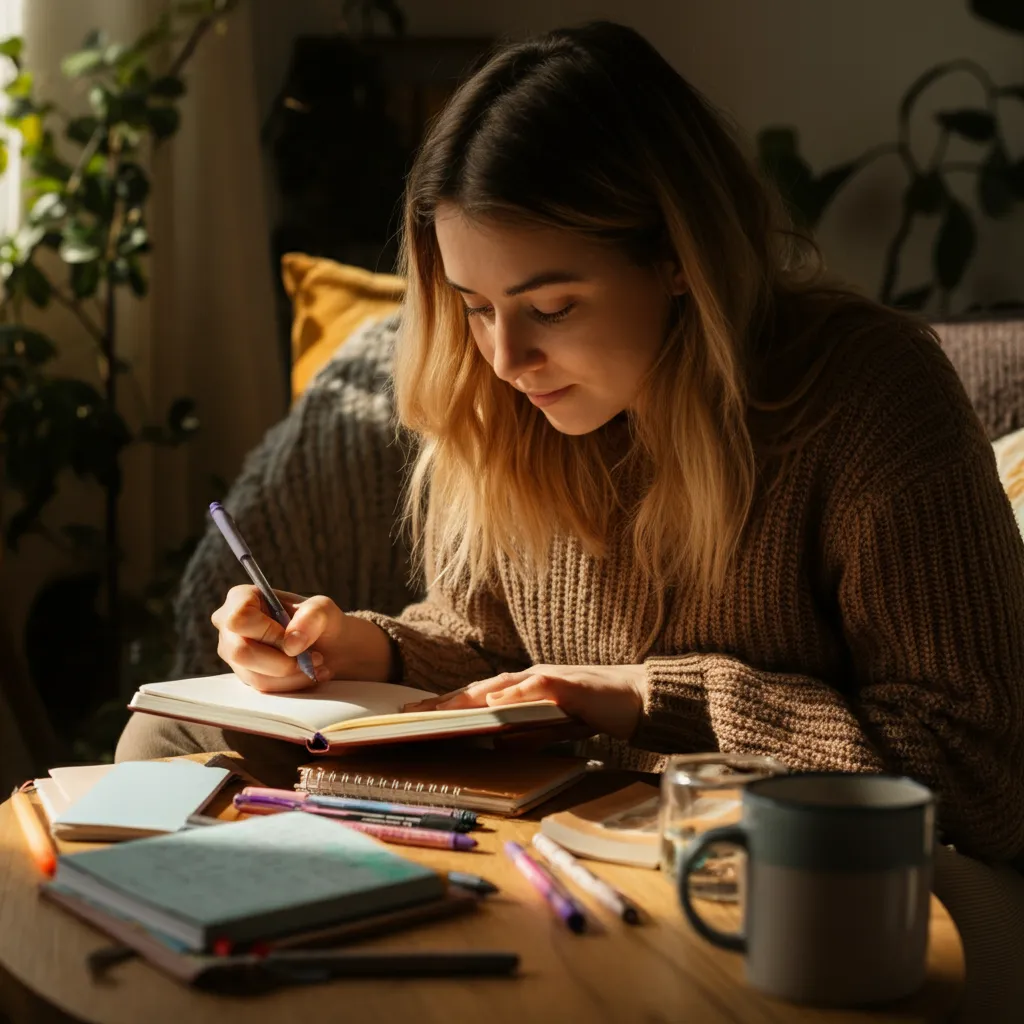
[262,653]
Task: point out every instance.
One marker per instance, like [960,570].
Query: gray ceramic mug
[836,889]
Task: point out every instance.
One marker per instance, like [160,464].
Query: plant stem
[198,31]
[111,553]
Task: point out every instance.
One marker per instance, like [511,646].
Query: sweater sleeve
[453,638]
[930,589]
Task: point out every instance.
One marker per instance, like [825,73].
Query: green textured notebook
[248,880]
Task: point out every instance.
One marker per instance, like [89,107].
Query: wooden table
[656,973]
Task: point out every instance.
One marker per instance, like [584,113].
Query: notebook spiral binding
[332,782]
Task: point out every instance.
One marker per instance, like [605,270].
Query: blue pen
[227,527]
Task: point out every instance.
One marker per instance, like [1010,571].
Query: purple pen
[558,899]
[227,527]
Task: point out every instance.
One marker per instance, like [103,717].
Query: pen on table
[558,899]
[563,861]
[463,820]
[260,803]
[227,527]
[40,845]
[405,835]
[474,883]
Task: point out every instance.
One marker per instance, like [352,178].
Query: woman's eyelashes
[545,318]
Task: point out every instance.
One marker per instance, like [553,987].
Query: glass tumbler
[703,791]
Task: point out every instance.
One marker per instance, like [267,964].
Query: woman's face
[572,324]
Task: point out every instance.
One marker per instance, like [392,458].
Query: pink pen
[557,897]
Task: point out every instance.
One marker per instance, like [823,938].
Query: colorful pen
[558,899]
[563,861]
[413,836]
[474,883]
[260,804]
[462,820]
[227,527]
[40,846]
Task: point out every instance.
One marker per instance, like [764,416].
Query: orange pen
[39,842]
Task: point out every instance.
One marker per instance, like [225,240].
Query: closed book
[136,799]
[330,716]
[488,781]
[622,826]
[248,881]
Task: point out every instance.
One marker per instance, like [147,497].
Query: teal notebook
[248,880]
[137,799]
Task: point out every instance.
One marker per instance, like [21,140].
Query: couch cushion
[989,357]
[331,301]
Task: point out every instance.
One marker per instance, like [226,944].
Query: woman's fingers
[312,618]
[534,687]
[472,696]
[245,613]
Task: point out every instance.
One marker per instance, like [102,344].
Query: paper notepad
[331,715]
[139,798]
[248,880]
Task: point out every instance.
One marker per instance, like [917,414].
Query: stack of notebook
[225,887]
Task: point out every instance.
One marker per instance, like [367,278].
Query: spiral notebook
[478,780]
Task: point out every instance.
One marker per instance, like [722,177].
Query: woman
[668,477]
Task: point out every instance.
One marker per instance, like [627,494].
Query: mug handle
[734,834]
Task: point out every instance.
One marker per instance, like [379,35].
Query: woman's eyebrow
[537,281]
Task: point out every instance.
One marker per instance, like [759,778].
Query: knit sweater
[872,618]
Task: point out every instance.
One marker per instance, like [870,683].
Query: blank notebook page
[338,700]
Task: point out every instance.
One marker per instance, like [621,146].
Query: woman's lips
[542,399]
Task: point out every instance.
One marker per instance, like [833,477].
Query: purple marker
[227,527]
[558,898]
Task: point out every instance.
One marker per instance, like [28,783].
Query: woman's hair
[590,130]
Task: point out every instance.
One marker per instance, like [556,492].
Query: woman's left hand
[608,698]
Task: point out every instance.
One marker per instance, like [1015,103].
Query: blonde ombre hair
[589,130]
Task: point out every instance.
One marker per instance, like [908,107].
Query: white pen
[565,863]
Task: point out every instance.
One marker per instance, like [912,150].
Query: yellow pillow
[329,301]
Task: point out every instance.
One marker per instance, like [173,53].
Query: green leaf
[781,162]
[135,239]
[132,185]
[4,155]
[81,129]
[167,87]
[826,187]
[163,121]
[37,285]
[78,64]
[919,85]
[114,54]
[19,341]
[85,279]
[95,40]
[20,88]
[78,252]
[99,100]
[914,298]
[27,238]
[926,193]
[48,207]
[976,125]
[182,420]
[954,245]
[1007,14]
[995,191]
[12,47]
[137,278]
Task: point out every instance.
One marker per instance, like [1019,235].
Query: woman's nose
[513,353]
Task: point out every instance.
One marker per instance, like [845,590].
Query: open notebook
[329,716]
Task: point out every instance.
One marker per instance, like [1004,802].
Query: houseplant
[86,191]
[998,179]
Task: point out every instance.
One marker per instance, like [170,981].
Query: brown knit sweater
[873,618]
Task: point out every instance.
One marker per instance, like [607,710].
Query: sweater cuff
[675,715]
[415,660]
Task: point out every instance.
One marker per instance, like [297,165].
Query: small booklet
[247,881]
[329,716]
[490,781]
[133,800]
[621,827]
